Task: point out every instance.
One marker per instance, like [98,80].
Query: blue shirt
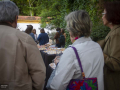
[32,35]
[43,38]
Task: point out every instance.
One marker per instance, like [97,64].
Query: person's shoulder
[40,35]
[117,31]
[9,29]
[31,33]
[21,35]
[18,35]
[46,33]
[24,37]
[68,50]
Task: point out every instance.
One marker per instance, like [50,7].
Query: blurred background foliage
[53,12]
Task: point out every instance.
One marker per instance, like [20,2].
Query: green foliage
[51,9]
[53,12]
[68,41]
[99,32]
[57,10]
[28,7]
[51,35]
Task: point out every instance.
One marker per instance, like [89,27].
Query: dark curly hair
[58,29]
[112,12]
[42,30]
[29,29]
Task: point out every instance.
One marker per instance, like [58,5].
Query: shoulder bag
[85,83]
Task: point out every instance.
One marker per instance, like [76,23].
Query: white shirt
[35,36]
[92,60]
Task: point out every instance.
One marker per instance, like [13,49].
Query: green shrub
[68,41]
[51,35]
[99,32]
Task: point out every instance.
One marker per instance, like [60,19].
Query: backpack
[61,39]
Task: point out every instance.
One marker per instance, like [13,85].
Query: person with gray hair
[8,13]
[21,64]
[90,53]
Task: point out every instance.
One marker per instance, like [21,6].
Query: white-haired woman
[90,53]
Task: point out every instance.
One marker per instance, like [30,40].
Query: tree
[58,9]
[28,7]
[53,12]
[50,12]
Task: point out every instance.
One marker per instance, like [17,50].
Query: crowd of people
[22,66]
[43,37]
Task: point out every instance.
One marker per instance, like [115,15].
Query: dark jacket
[57,35]
[32,35]
[43,38]
[111,47]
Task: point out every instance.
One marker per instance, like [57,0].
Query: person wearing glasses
[111,45]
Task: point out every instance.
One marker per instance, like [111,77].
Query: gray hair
[79,23]
[8,11]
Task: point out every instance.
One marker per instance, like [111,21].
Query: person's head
[9,13]
[34,31]
[58,29]
[29,29]
[62,31]
[78,24]
[42,30]
[111,14]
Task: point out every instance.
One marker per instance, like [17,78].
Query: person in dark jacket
[57,36]
[43,37]
[29,31]
[63,33]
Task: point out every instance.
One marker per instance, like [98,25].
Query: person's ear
[15,22]
[16,18]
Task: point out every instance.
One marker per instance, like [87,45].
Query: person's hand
[56,60]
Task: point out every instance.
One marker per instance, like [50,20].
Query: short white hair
[78,23]
[8,11]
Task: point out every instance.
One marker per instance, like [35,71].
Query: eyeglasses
[103,13]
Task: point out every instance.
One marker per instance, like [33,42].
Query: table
[47,58]
[48,73]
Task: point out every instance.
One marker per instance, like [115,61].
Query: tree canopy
[53,12]
[28,7]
